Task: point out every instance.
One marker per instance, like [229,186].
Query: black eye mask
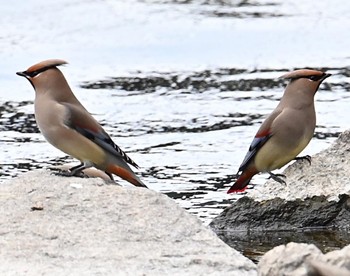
[317,78]
[36,72]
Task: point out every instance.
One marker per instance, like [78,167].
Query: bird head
[311,78]
[313,75]
[304,81]
[35,70]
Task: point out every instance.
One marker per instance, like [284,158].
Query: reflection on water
[254,244]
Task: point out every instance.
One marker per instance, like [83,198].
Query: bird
[68,126]
[285,132]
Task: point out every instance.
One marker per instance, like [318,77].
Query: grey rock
[288,260]
[318,268]
[298,259]
[250,225]
[339,258]
[279,214]
[52,225]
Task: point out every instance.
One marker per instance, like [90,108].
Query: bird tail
[126,175]
[242,182]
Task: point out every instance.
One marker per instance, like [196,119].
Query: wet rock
[253,227]
[278,214]
[77,226]
[300,259]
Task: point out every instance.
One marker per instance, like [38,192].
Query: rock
[288,260]
[52,225]
[317,268]
[278,214]
[339,257]
[298,259]
[88,172]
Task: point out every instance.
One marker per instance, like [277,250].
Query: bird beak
[25,74]
[22,74]
[325,76]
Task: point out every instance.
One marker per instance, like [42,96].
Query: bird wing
[258,141]
[261,137]
[80,120]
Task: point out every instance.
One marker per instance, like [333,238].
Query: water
[181,86]
[253,244]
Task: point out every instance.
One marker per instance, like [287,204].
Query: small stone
[39,206]
[76,185]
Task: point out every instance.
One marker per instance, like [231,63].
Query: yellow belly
[273,155]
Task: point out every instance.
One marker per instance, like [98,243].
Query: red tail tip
[235,190]
[242,182]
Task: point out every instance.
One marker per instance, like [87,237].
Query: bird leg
[77,170]
[110,176]
[277,177]
[74,171]
[306,157]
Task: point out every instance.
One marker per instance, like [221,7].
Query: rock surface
[52,225]
[298,259]
[278,214]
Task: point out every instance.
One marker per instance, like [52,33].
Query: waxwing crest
[40,67]
[302,73]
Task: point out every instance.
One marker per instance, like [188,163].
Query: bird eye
[316,78]
[33,74]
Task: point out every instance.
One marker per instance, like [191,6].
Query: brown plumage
[67,125]
[286,131]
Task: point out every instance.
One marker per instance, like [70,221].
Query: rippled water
[182,86]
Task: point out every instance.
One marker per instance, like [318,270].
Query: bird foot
[306,157]
[277,177]
[69,173]
[111,177]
